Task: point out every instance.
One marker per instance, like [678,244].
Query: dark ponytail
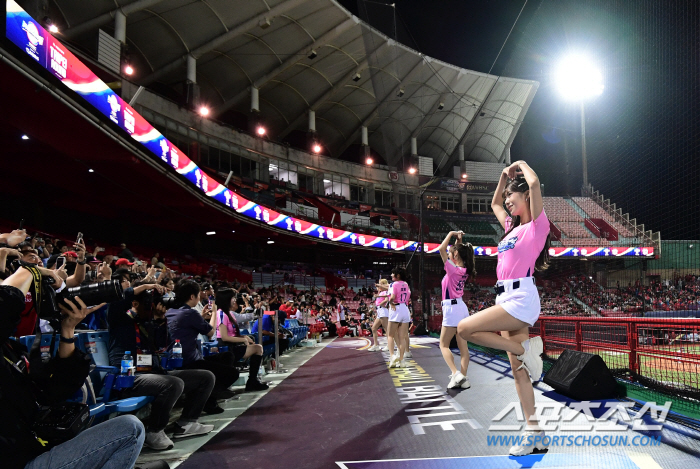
[466,253]
[519,184]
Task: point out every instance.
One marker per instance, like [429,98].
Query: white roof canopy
[268,44]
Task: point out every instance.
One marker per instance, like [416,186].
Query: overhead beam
[409,76]
[105,18]
[329,93]
[222,39]
[291,61]
[441,99]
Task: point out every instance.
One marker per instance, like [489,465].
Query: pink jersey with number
[453,281]
[518,252]
[402,294]
[382,296]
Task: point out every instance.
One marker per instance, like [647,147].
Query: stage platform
[341,406]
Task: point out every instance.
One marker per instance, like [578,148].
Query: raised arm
[445,243]
[497,201]
[533,182]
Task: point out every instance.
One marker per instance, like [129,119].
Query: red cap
[70,254]
[123,261]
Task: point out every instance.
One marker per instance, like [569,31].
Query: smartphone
[21,224]
[211,300]
[60,262]
[79,239]
[100,249]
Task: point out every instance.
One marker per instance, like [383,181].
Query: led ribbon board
[39,44]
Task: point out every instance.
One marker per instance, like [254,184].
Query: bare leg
[385,326]
[375,328]
[408,339]
[446,334]
[523,385]
[463,354]
[477,329]
[400,334]
[393,328]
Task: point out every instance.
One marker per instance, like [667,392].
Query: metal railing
[664,350]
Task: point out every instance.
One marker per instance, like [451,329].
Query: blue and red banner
[39,44]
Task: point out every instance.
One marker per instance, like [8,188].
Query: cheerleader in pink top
[459,266]
[399,316]
[382,319]
[523,250]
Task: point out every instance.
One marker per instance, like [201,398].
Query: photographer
[26,381]
[241,347]
[124,320]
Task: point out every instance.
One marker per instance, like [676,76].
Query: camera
[93,294]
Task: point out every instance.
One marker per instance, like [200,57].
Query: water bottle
[177,350]
[127,364]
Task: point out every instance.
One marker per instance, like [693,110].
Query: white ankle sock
[526,345]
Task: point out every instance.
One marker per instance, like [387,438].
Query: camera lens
[96,293]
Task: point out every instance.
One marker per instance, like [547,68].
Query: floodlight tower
[577,78]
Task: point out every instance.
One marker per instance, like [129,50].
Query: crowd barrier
[666,350]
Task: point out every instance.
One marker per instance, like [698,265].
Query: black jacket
[22,391]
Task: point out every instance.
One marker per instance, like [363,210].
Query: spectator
[242,347]
[114,443]
[184,324]
[125,253]
[124,319]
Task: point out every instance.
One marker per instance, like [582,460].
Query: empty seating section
[593,210]
[558,210]
[573,229]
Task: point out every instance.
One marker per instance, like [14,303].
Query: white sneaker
[456,380]
[531,359]
[384,349]
[191,429]
[373,348]
[408,354]
[466,384]
[403,364]
[535,447]
[158,441]
[394,361]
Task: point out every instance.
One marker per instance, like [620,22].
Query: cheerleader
[523,249]
[382,319]
[399,316]
[459,266]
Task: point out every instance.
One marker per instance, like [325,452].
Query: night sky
[643,133]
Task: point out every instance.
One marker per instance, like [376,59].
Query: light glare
[316,148]
[412,170]
[369,161]
[204,111]
[261,130]
[129,70]
[578,78]
[209,233]
[53,28]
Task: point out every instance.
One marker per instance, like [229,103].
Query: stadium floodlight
[369,161]
[91,170]
[464,176]
[412,170]
[316,148]
[260,131]
[53,28]
[25,137]
[203,111]
[209,233]
[270,242]
[128,69]
[578,78]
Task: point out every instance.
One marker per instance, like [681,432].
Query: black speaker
[582,376]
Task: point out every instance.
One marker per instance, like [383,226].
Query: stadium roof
[314,55]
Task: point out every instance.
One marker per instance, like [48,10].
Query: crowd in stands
[158,303]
